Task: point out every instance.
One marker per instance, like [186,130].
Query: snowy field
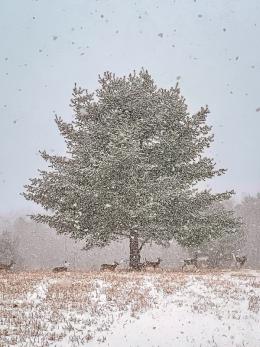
[130,309]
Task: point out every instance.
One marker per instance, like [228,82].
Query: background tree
[8,247]
[249,210]
[219,250]
[134,158]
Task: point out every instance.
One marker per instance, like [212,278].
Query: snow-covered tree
[8,247]
[219,250]
[249,210]
[134,158]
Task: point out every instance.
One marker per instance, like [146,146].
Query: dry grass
[40,308]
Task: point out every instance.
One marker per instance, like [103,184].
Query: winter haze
[141,248]
[211,47]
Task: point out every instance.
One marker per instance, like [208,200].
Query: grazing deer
[153,264]
[6,267]
[61,268]
[110,267]
[240,261]
[190,261]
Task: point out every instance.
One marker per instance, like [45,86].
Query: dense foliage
[134,158]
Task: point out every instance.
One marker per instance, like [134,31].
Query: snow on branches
[134,158]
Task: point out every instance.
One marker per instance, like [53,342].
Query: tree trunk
[134,260]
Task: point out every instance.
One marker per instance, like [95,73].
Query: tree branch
[143,243]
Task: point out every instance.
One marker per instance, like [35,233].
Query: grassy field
[120,309]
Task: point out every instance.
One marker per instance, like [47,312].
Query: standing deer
[153,264]
[110,267]
[61,268]
[6,267]
[240,261]
[190,261]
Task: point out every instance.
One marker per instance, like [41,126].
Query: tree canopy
[134,158]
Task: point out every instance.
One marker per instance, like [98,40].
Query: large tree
[134,158]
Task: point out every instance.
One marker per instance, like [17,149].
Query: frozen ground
[128,309]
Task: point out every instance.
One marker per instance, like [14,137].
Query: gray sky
[46,46]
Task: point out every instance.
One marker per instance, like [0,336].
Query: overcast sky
[211,46]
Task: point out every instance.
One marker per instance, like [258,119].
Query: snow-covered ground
[130,309]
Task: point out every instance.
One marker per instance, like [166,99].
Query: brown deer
[153,264]
[190,261]
[61,268]
[110,267]
[6,267]
[240,261]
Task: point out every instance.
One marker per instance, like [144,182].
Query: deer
[153,264]
[6,267]
[190,261]
[240,261]
[61,268]
[110,267]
